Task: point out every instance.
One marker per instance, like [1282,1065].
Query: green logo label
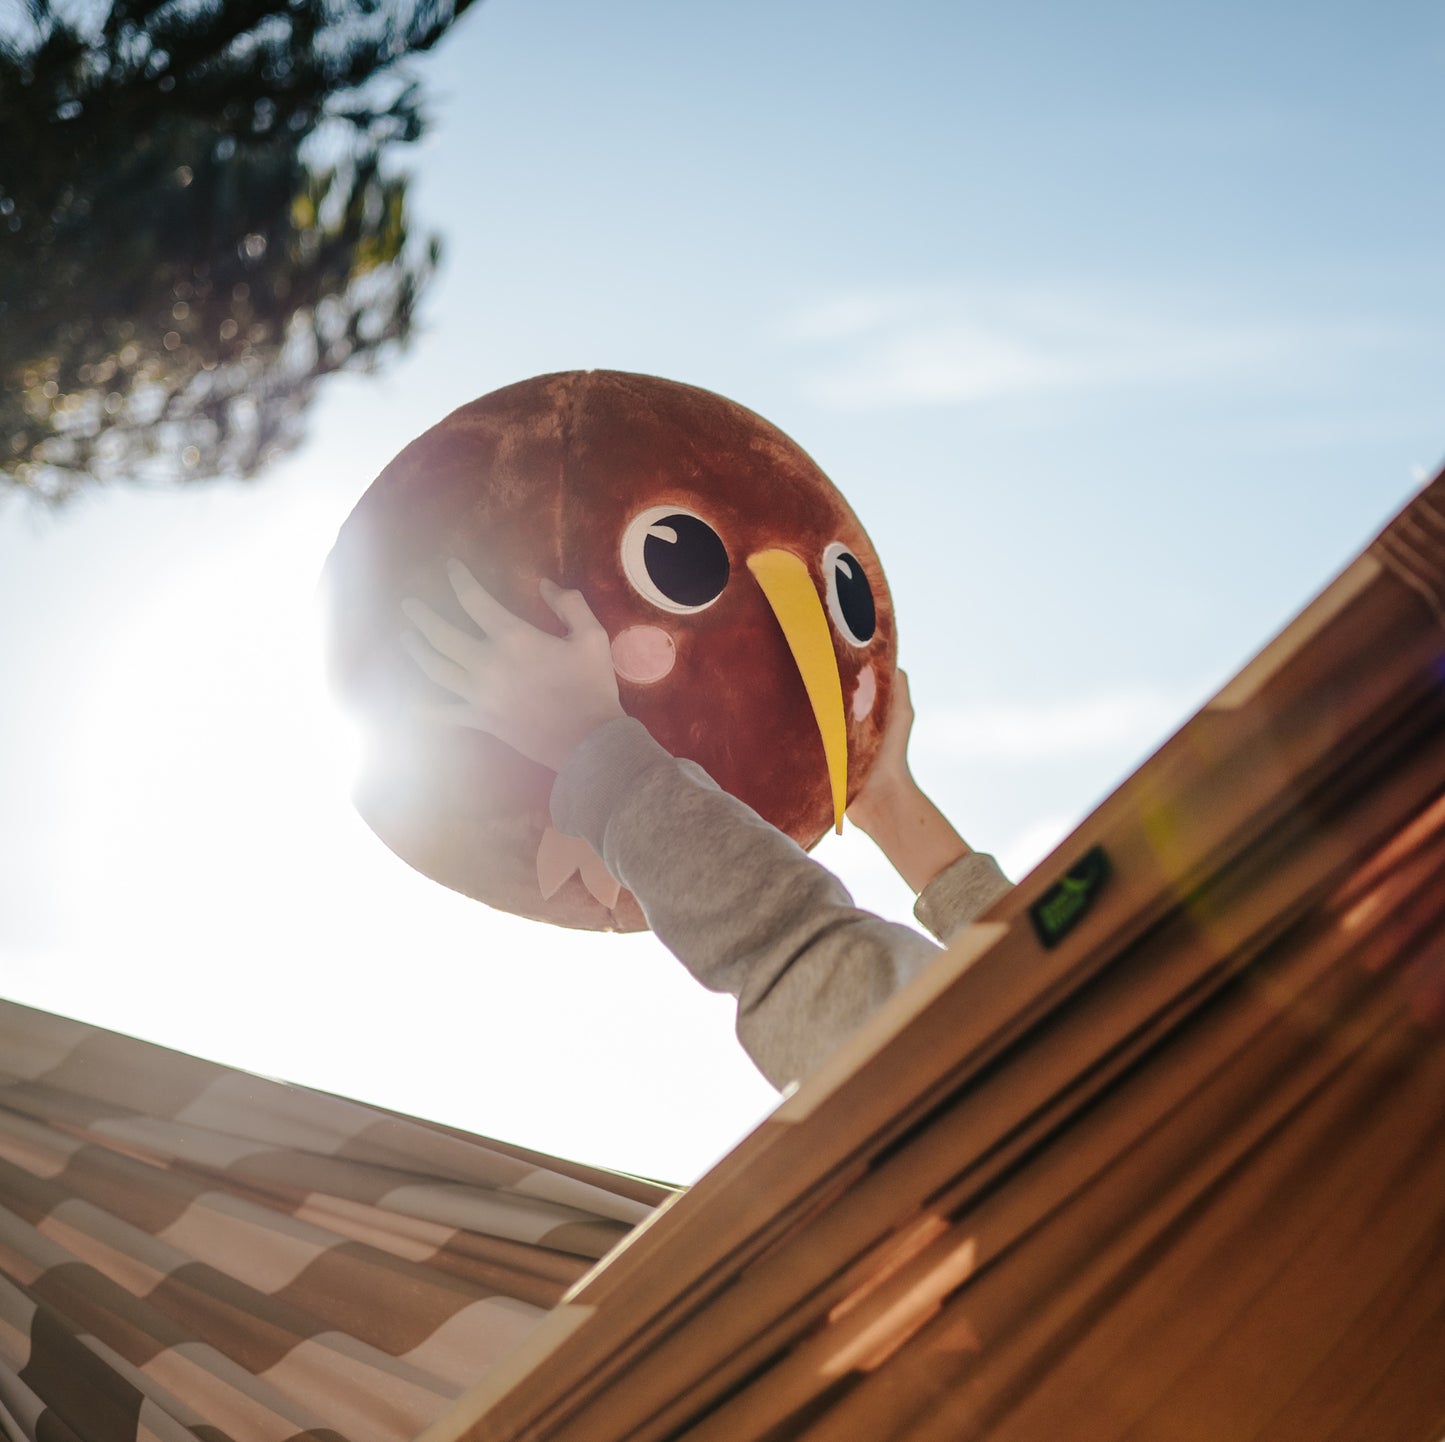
[1060,909]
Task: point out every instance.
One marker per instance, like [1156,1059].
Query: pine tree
[197,223]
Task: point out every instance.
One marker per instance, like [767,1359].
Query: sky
[1118,325]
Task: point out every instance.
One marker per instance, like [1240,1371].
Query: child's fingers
[484,608]
[570,607]
[436,667]
[452,642]
[902,700]
[451,713]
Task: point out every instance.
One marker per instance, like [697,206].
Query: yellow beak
[785,582]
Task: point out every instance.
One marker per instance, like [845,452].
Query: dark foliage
[196,225]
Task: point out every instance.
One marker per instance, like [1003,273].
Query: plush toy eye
[674,559]
[850,597]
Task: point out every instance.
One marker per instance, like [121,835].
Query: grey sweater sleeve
[959,893]
[742,906]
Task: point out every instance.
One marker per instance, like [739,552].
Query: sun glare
[221,895]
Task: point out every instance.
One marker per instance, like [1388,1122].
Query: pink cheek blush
[643,654]
[865,693]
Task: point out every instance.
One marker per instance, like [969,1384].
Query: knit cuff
[959,893]
[608,766]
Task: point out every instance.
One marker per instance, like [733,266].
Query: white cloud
[1013,732]
[939,347]
[940,363]
[842,316]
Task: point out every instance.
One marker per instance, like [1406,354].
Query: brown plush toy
[751,626]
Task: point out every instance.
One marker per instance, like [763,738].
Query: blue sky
[1119,325]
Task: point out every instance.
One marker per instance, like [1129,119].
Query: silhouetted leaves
[196,225]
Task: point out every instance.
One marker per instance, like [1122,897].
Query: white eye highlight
[674,559]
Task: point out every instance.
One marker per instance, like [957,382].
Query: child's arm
[893,811]
[744,908]
[740,904]
[953,881]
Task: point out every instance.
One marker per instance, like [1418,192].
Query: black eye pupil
[686,559]
[855,596]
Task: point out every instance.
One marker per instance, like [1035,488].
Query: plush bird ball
[750,623]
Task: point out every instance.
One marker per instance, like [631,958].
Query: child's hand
[890,777]
[890,808]
[540,694]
